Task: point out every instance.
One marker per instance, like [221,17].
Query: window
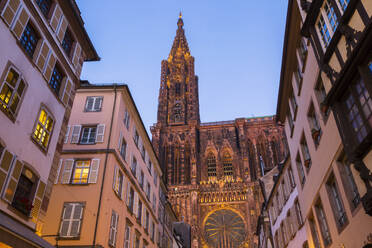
[137,242]
[43,129]
[149,166]
[134,166]
[336,202]
[155,178]
[88,135]
[321,94]
[72,216]
[44,6]
[314,233]
[291,178]
[123,149]
[211,163]
[147,221]
[148,191]
[298,78]
[29,40]
[136,137]
[139,213]
[302,51]
[290,123]
[56,79]
[113,228]
[93,103]
[343,4]
[152,231]
[127,236]
[141,179]
[293,104]
[130,200]
[358,106]
[25,192]
[118,182]
[11,92]
[126,119]
[300,170]
[67,42]
[324,32]
[178,89]
[331,15]
[305,153]
[350,187]
[298,214]
[327,240]
[143,152]
[81,172]
[227,164]
[316,131]
[154,202]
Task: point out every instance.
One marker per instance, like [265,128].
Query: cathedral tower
[211,169]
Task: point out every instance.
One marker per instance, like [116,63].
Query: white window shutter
[97,103]
[128,192]
[67,170]
[58,171]
[89,104]
[37,201]
[76,129]
[135,207]
[100,133]
[122,188]
[76,223]
[94,169]
[10,11]
[115,178]
[67,134]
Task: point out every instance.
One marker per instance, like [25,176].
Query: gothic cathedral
[211,169]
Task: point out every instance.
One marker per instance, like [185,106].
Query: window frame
[89,133]
[45,14]
[83,167]
[34,35]
[50,133]
[82,204]
[7,111]
[54,83]
[72,42]
[93,109]
[338,207]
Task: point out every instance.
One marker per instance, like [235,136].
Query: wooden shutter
[12,185]
[50,66]
[67,134]
[100,133]
[76,222]
[58,171]
[94,169]
[127,237]
[10,11]
[67,170]
[77,54]
[37,201]
[62,29]
[54,21]
[21,23]
[42,57]
[5,165]
[66,92]
[113,228]
[115,178]
[75,133]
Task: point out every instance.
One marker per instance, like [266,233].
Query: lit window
[211,163]
[11,92]
[81,171]
[44,6]
[29,40]
[56,79]
[72,216]
[43,129]
[67,42]
[93,103]
[88,135]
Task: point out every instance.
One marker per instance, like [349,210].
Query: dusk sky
[237,47]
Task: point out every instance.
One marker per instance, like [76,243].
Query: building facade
[211,169]
[106,192]
[43,47]
[324,101]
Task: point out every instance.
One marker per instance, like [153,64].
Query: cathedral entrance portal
[224,228]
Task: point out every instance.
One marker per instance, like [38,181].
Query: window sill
[94,111]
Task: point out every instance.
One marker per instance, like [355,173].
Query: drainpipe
[104,170]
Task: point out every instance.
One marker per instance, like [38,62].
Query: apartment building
[324,103]
[106,191]
[43,47]
[284,211]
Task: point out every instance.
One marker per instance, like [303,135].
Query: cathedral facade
[211,169]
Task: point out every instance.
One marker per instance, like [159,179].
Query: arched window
[211,162]
[227,164]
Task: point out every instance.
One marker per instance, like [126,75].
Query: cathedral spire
[180,43]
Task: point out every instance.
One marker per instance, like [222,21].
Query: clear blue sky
[237,47]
